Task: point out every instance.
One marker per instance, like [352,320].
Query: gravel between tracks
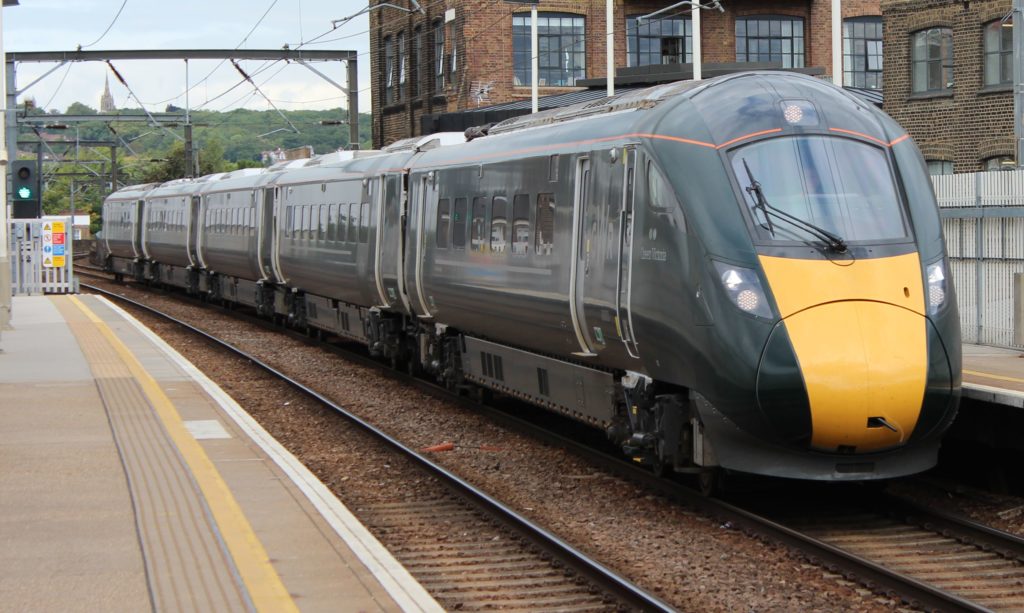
[688,560]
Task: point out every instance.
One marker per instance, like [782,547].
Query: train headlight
[937,289]
[744,289]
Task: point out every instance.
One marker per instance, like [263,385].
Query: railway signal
[25,189]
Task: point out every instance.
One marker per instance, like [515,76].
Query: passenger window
[499,224]
[443,221]
[364,223]
[476,232]
[545,224]
[459,224]
[353,223]
[289,226]
[342,222]
[658,191]
[520,224]
[325,220]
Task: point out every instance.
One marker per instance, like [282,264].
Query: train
[744,274]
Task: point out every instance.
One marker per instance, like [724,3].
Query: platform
[994,374]
[131,482]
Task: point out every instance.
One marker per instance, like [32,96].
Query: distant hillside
[242,133]
[146,153]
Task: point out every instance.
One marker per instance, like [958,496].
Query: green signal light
[24,193]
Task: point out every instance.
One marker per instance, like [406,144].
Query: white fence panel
[983,220]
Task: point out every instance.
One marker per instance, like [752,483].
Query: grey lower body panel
[177,276]
[336,317]
[581,392]
[242,291]
[738,450]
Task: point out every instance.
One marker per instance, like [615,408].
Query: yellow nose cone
[864,365]
[860,337]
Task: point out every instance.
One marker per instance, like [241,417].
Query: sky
[63,25]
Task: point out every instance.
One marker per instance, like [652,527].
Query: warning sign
[53,244]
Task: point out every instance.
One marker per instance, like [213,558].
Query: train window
[553,168]
[459,224]
[520,224]
[364,223]
[353,222]
[476,231]
[443,221]
[332,223]
[289,221]
[658,191]
[343,222]
[545,224]
[499,224]
[325,221]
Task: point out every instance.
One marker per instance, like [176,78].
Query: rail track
[462,544]
[926,558]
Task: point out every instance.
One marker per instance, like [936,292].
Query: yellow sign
[58,261]
[58,227]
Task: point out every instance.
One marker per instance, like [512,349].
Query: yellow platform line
[264,585]
[988,376]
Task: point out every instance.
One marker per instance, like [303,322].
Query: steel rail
[573,558]
[871,574]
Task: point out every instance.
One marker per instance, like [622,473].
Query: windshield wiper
[834,242]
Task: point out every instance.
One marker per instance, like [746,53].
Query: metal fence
[32,248]
[983,219]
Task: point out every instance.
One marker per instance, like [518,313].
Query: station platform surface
[994,374]
[130,482]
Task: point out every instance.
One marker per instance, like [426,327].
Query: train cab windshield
[819,189]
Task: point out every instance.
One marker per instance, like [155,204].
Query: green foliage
[145,154]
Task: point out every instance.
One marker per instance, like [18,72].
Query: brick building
[949,80]
[457,55]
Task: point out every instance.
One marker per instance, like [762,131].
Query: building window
[561,49]
[1000,162]
[401,65]
[770,38]
[453,35]
[932,59]
[659,41]
[940,167]
[999,53]
[862,52]
[438,56]
[389,70]
[414,61]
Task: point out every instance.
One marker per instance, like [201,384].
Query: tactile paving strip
[187,565]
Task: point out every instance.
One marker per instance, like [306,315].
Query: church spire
[106,100]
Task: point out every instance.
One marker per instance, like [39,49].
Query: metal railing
[983,220]
[32,258]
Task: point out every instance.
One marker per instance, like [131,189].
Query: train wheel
[710,481]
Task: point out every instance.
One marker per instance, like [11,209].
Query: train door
[268,240]
[199,222]
[427,193]
[192,232]
[137,228]
[580,260]
[599,248]
[390,248]
[624,278]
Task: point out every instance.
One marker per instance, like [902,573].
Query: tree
[172,165]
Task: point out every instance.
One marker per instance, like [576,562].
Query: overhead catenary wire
[132,94]
[123,4]
[221,63]
[256,87]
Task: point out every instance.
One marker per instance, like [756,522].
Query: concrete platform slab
[131,482]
